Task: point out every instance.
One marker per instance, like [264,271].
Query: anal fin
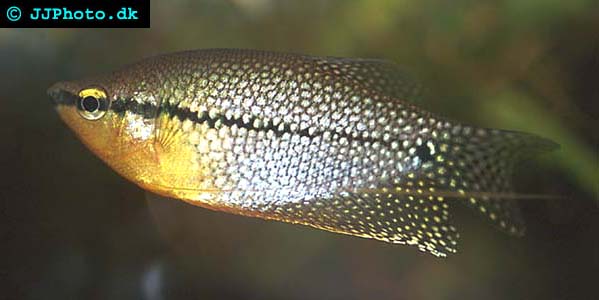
[421,221]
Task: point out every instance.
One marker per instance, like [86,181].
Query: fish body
[333,143]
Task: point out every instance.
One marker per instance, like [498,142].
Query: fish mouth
[60,95]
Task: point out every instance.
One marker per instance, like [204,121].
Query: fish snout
[61,94]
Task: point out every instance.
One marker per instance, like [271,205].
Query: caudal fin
[479,164]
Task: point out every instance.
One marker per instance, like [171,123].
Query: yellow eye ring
[93,103]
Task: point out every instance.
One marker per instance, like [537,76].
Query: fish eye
[92,103]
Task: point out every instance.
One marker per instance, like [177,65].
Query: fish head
[114,118]
[117,117]
[85,107]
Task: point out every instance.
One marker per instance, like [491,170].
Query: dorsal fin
[381,76]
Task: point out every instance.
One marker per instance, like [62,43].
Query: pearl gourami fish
[334,143]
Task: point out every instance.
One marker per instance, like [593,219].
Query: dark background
[73,229]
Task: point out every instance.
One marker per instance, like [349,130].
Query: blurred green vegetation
[529,65]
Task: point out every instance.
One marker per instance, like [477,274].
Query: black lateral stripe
[185,114]
[148,110]
[62,97]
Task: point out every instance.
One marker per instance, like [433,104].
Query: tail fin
[479,165]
